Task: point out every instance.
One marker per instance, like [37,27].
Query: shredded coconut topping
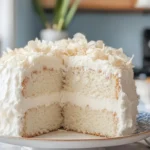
[77,46]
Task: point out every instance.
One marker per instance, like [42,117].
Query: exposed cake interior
[42,119]
[102,90]
[86,120]
[78,85]
[42,89]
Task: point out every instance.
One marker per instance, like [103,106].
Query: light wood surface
[120,5]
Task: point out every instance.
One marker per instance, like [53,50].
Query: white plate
[68,139]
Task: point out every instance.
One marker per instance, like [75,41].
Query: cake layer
[87,120]
[42,119]
[92,83]
[40,82]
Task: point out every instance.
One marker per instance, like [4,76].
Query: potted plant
[63,14]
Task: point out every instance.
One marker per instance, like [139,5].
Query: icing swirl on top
[77,46]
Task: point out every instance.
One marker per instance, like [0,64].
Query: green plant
[63,14]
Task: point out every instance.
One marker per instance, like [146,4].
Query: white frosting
[76,52]
[10,96]
[128,103]
[22,61]
[88,63]
[77,46]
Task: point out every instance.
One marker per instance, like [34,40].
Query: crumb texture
[42,120]
[92,83]
[90,121]
[42,82]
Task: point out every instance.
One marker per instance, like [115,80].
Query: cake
[81,86]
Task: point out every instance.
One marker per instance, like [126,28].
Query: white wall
[7,24]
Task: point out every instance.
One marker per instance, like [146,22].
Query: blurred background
[118,23]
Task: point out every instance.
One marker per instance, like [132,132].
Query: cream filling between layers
[33,102]
[87,101]
[64,97]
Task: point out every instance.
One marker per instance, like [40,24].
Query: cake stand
[62,139]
